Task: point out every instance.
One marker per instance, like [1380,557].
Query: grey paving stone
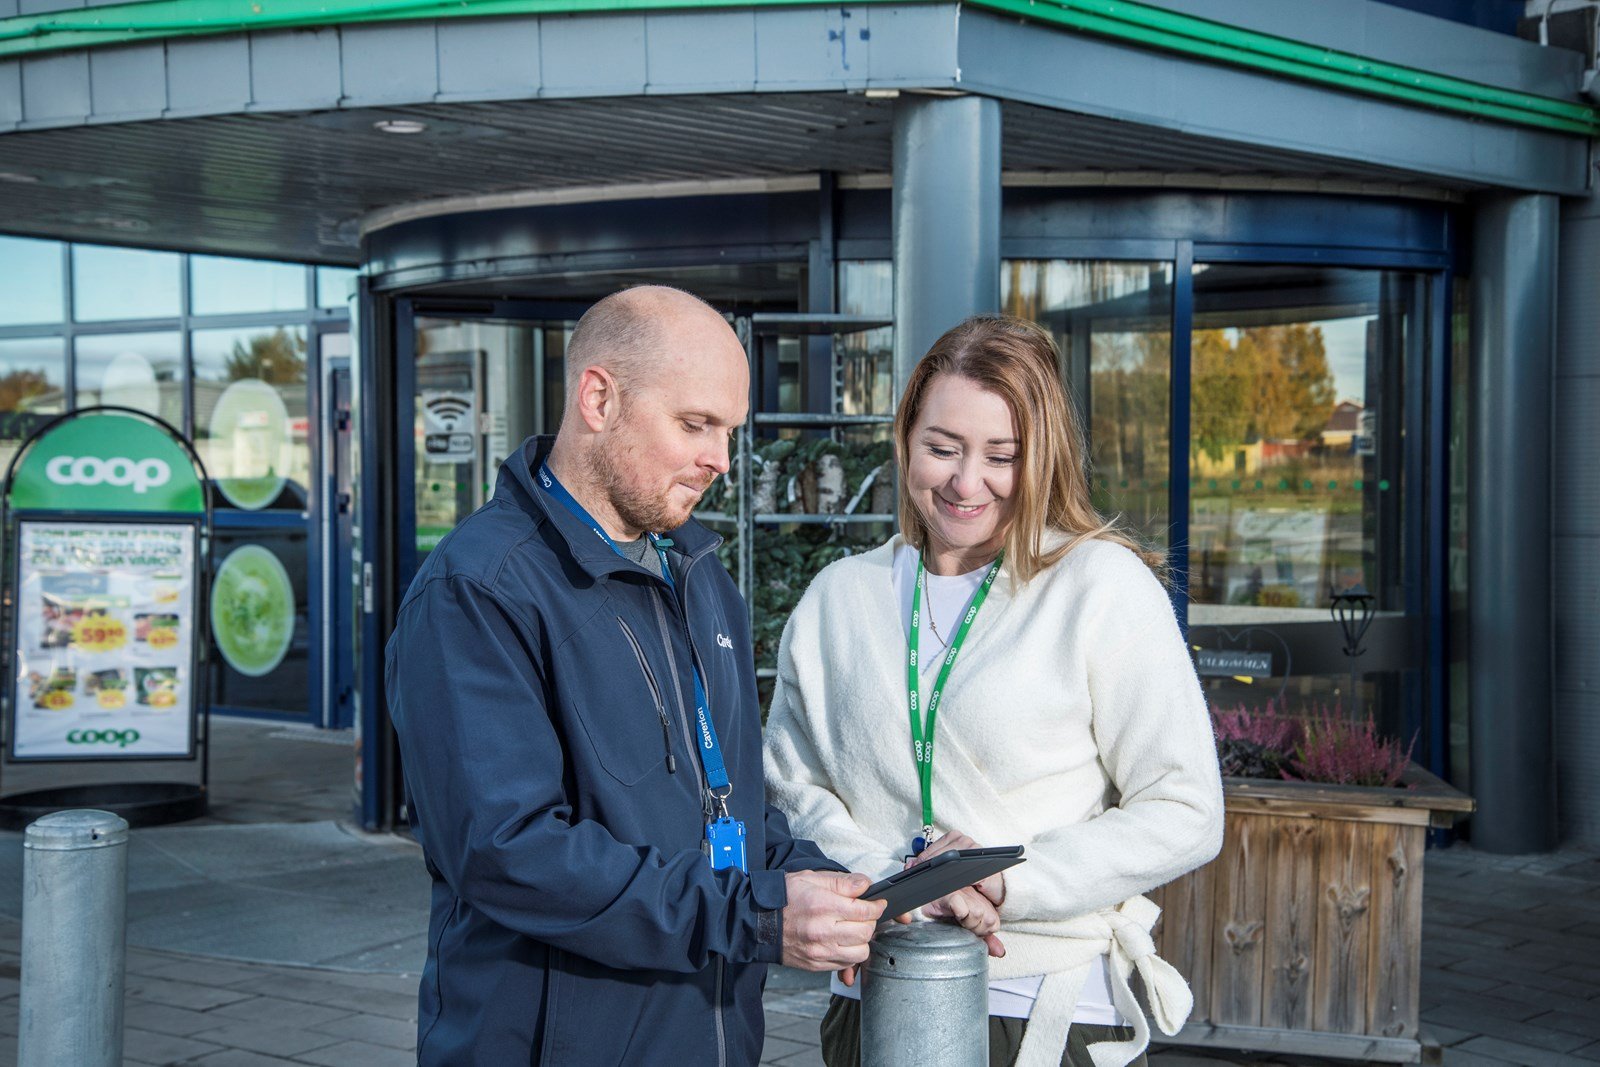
[776,1048]
[275,1010]
[297,986]
[1543,998]
[164,1018]
[150,1047]
[358,1054]
[278,1039]
[203,971]
[1589,1052]
[180,994]
[1507,1030]
[373,1029]
[1437,978]
[1516,1052]
[1586,1025]
[811,1057]
[237,1057]
[802,1030]
[1459,1057]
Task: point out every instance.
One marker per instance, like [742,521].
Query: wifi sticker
[448,424]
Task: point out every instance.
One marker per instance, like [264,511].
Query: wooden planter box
[1305,934]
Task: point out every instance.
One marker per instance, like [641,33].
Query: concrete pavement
[273,933]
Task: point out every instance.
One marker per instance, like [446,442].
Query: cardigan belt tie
[1124,935]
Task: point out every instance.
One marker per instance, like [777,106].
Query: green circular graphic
[249,439]
[252,610]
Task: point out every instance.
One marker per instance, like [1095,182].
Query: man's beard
[638,508]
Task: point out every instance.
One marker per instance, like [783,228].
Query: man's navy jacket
[538,683]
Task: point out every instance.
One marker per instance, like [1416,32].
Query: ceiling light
[402,127]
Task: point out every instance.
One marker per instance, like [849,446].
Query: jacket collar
[518,485]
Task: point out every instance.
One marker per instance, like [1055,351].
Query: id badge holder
[725,841]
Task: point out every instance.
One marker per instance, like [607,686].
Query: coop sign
[1231,663]
[140,475]
[106,462]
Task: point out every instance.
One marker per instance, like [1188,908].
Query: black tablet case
[941,876]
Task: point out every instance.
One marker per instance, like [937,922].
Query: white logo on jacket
[725,641]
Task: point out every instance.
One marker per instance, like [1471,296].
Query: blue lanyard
[710,751]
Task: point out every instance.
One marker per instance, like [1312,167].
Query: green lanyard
[922,734]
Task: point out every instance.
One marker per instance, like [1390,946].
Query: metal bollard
[925,998]
[74,940]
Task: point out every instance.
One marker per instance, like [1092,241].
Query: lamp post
[1353,609]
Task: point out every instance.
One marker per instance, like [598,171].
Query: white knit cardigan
[1072,724]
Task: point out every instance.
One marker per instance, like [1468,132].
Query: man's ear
[598,399]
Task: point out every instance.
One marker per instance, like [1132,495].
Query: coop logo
[120,738]
[140,475]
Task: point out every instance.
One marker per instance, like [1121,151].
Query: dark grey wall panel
[395,64]
[55,88]
[1578,324]
[601,56]
[297,69]
[127,83]
[208,76]
[8,8]
[1395,35]
[1578,763]
[1576,584]
[488,58]
[1078,73]
[1576,456]
[701,52]
[44,7]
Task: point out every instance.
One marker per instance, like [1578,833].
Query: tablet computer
[941,876]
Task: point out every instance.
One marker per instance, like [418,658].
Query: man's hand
[825,926]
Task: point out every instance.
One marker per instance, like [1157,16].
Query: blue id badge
[725,839]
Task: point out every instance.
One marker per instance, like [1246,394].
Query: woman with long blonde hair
[1005,670]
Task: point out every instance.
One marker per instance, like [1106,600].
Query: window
[32,290]
[250,421]
[235,286]
[33,375]
[334,286]
[111,284]
[133,370]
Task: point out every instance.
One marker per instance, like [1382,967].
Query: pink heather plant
[1265,728]
[1337,750]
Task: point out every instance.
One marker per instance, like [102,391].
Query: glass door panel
[482,387]
[1113,324]
[1297,476]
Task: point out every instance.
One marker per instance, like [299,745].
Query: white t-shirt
[945,600]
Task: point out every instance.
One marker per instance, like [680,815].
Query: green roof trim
[1141,24]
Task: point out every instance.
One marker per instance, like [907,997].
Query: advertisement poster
[105,640]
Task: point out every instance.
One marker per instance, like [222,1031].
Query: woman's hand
[993,887]
[972,911]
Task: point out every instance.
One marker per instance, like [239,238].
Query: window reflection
[334,285]
[866,359]
[250,423]
[1112,322]
[220,286]
[32,290]
[109,284]
[1295,453]
[133,370]
[33,374]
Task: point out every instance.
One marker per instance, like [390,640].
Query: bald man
[575,699]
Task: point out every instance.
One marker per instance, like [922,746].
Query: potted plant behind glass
[1305,934]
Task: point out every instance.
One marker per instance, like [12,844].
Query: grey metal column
[946,219]
[1575,444]
[925,998]
[1513,348]
[74,937]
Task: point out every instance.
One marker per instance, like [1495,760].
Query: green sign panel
[107,462]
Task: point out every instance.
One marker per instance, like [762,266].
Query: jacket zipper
[655,692]
[722,1041]
[683,717]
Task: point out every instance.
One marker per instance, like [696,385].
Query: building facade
[1318,273]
